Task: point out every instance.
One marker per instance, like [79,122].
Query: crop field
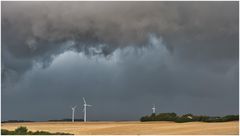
[130,127]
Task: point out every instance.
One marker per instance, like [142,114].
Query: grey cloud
[34,31]
[122,87]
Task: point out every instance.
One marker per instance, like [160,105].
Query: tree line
[187,118]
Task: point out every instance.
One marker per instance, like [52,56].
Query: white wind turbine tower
[73,112]
[85,109]
[153,109]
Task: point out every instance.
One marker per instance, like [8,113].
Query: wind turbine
[85,109]
[73,112]
[153,109]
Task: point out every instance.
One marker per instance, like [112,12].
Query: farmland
[130,127]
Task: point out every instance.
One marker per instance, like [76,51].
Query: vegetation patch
[65,120]
[188,118]
[16,121]
[24,131]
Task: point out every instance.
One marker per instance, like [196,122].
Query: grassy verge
[24,131]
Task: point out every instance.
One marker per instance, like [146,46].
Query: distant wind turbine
[85,109]
[73,112]
[153,109]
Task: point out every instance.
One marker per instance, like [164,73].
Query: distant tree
[187,115]
[166,117]
[231,117]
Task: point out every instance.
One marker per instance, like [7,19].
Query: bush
[6,132]
[41,133]
[21,131]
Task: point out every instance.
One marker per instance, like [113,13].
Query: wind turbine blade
[84,100]
[88,105]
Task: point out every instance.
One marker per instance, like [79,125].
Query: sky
[123,57]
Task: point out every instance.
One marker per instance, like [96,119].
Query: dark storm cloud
[132,54]
[34,31]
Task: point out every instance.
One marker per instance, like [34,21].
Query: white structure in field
[73,112]
[85,109]
[153,109]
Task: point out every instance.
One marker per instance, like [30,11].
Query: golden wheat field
[130,127]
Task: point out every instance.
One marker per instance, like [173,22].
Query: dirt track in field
[130,127]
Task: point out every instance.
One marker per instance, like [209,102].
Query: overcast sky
[123,57]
